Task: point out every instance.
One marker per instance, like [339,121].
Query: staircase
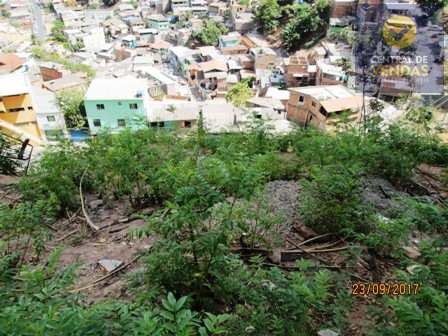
[15,155]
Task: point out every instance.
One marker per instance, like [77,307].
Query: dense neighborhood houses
[160,63]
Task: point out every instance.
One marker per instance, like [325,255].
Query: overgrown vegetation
[302,24]
[209,192]
[210,32]
[43,55]
[71,103]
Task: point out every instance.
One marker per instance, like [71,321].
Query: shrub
[331,201]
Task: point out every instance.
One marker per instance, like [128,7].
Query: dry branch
[83,208]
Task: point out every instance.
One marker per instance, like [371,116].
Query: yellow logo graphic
[399,31]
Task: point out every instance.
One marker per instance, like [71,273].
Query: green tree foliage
[305,23]
[210,32]
[331,201]
[431,6]
[240,93]
[71,103]
[268,14]
[345,35]
[58,31]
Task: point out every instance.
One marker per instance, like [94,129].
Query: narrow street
[39,29]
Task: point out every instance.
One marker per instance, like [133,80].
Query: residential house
[159,22]
[230,44]
[343,8]
[329,74]
[301,69]
[17,111]
[160,83]
[322,106]
[211,76]
[10,63]
[218,8]
[160,48]
[116,103]
[180,58]
[49,117]
[231,39]
[265,61]
[66,82]
[242,22]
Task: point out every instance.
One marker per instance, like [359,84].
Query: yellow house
[17,113]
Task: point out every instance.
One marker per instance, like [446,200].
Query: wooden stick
[83,208]
[329,250]
[115,271]
[313,239]
[67,235]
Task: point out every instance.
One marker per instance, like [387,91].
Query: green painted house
[158,21]
[116,103]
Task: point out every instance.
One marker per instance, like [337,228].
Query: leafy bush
[331,201]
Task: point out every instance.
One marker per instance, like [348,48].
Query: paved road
[39,29]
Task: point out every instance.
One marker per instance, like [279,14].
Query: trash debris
[412,252]
[327,332]
[110,264]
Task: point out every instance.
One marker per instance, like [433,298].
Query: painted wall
[114,110]
[160,25]
[25,119]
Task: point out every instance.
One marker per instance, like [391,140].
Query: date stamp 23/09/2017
[385,288]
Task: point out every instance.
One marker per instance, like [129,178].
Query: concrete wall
[114,110]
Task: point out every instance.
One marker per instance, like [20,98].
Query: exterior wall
[343,8]
[25,119]
[304,113]
[114,110]
[160,25]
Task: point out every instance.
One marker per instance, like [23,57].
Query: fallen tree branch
[115,271]
[83,208]
[312,239]
[329,250]
[67,235]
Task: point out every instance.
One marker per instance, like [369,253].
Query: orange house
[17,113]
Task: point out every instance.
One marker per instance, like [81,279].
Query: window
[30,108]
[100,106]
[161,124]
[97,122]
[119,103]
[313,104]
[54,134]
[323,111]
[187,124]
[301,99]
[121,123]
[19,109]
[51,118]
[153,124]
[133,106]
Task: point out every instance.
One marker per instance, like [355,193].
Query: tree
[210,33]
[239,93]
[71,103]
[431,6]
[58,31]
[306,22]
[267,14]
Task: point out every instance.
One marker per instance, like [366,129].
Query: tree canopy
[210,32]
